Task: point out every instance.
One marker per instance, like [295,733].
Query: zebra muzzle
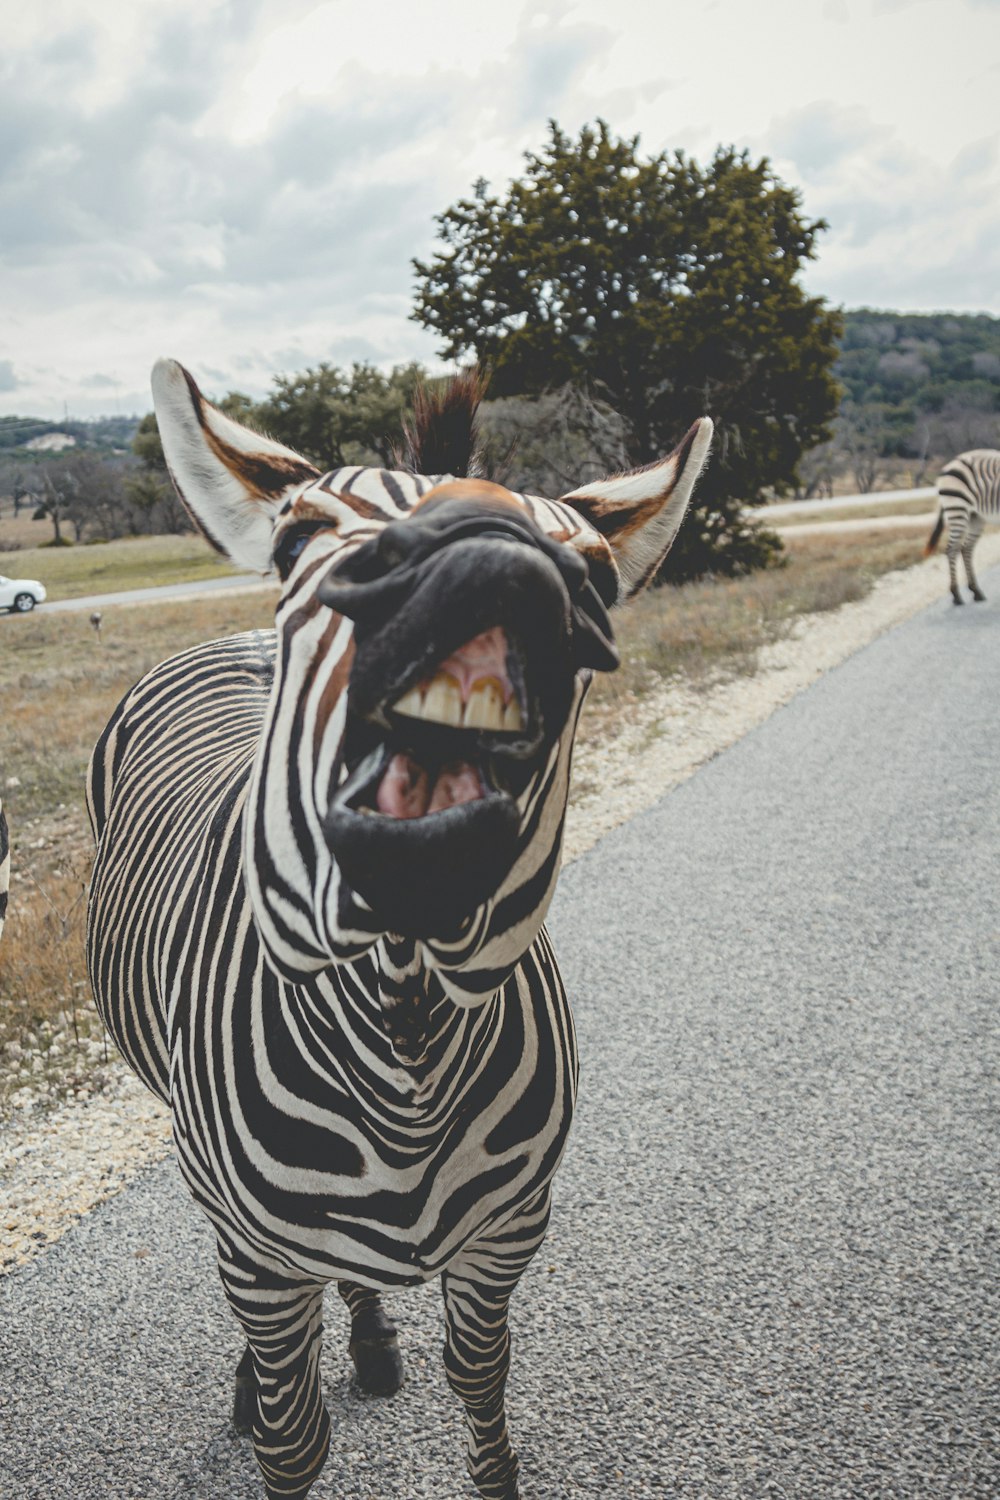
[470,627]
[423,871]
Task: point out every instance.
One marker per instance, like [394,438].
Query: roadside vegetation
[923,510]
[138,563]
[59,684]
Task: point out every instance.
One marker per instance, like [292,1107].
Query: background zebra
[325,855]
[968,496]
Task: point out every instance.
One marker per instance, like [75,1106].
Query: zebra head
[435,639]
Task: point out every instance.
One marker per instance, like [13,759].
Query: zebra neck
[418,1017]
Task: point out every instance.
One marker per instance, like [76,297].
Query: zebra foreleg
[374,1347]
[278,1397]
[956,539]
[477,1290]
[975,531]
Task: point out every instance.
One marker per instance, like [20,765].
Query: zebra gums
[968,496]
[325,854]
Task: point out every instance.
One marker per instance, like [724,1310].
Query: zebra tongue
[405,790]
[459,782]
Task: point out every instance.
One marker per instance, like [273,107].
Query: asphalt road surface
[241,583]
[772,1269]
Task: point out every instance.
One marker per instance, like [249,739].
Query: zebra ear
[639,514]
[231,480]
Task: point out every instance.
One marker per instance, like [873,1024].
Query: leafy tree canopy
[668,288]
[336,417]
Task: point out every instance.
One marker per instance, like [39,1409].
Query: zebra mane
[443,436]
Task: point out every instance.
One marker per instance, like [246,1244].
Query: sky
[242,184]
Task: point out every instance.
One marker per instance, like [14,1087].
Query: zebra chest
[306,1116]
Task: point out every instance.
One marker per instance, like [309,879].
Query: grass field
[58,686]
[141,562]
[923,508]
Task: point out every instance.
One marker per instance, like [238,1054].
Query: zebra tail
[935,535]
[4,866]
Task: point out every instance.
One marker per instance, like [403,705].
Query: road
[873,501]
[240,583]
[772,1269]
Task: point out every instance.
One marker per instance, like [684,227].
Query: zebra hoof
[956,598]
[245,1396]
[979,596]
[374,1349]
[378,1365]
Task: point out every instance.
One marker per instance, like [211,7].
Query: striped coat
[324,858]
[968,496]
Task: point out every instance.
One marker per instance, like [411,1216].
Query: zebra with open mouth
[325,855]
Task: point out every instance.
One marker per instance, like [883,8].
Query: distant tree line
[917,389]
[109,433]
[88,496]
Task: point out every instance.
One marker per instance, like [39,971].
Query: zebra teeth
[512,717]
[411,703]
[484,709]
[440,702]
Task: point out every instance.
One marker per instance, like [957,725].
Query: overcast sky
[242,183]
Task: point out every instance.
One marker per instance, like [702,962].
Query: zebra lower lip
[420,868]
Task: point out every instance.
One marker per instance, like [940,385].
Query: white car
[20,594]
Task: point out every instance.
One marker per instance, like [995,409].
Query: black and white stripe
[968,497]
[348,1104]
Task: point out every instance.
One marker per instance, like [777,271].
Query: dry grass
[924,508]
[22,531]
[138,563]
[59,685]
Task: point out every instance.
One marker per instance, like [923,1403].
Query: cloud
[8,379]
[820,137]
[905,231]
[245,187]
[550,59]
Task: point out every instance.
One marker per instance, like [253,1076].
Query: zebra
[968,496]
[324,859]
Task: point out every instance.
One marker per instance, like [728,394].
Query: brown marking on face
[472,489]
[601,564]
[304,509]
[336,687]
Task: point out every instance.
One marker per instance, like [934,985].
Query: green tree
[147,447]
[668,288]
[335,417]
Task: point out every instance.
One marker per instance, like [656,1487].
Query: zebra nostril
[396,545]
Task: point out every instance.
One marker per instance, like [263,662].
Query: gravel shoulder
[56,1166]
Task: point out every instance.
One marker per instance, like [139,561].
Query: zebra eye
[291,545]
